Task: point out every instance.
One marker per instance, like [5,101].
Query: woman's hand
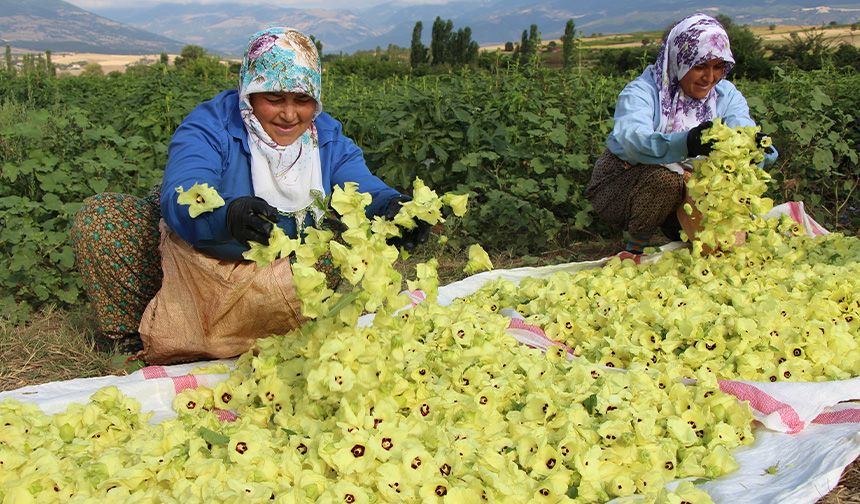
[695,147]
[250,218]
[764,142]
[409,238]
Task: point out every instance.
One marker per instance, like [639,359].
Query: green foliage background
[521,140]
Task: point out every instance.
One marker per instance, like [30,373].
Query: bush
[811,118]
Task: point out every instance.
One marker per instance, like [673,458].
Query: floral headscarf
[694,40]
[289,177]
[278,60]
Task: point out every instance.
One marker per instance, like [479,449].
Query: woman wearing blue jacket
[269,151]
[638,183]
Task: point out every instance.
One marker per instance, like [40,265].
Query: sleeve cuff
[677,146]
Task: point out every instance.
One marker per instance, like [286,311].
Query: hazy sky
[319,4]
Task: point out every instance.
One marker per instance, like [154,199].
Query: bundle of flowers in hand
[362,253]
[728,186]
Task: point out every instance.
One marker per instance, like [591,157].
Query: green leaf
[819,99]
[212,437]
[98,185]
[562,188]
[558,135]
[554,113]
[805,135]
[532,117]
[572,492]
[822,159]
[68,296]
[52,202]
[343,302]
[756,104]
[583,219]
[538,166]
[590,403]
[10,171]
[65,257]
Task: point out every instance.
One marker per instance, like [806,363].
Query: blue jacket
[211,146]
[634,137]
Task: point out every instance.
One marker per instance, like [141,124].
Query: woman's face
[284,116]
[700,79]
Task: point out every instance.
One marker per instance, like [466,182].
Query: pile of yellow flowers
[425,404]
[437,404]
[777,309]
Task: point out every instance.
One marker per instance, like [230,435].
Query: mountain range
[223,28]
[60,26]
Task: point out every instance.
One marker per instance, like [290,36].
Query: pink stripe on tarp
[796,212]
[636,258]
[799,215]
[225,415]
[519,324]
[764,403]
[416,296]
[817,229]
[150,372]
[838,417]
[181,383]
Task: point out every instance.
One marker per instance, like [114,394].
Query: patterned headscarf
[692,41]
[289,177]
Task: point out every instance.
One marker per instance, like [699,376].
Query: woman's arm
[635,132]
[195,155]
[735,111]
[348,165]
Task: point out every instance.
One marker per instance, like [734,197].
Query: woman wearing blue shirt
[269,151]
[638,183]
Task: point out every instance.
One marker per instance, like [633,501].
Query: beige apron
[209,308]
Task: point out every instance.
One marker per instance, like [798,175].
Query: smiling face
[284,116]
[700,79]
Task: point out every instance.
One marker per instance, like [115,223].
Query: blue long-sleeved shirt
[634,137]
[211,146]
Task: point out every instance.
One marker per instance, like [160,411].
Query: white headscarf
[288,177]
[692,41]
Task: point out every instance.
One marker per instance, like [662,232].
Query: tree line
[451,48]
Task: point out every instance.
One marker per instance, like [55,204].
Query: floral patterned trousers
[115,238]
[637,198]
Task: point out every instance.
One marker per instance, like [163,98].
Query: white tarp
[806,433]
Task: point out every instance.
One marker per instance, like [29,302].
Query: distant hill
[224,28]
[498,21]
[60,26]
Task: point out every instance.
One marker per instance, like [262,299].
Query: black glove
[409,238]
[759,138]
[250,218]
[695,147]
